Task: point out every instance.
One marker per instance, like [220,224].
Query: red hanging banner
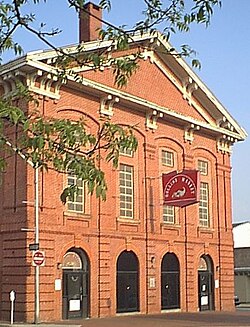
[181,189]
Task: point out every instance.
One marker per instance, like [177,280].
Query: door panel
[205,291]
[85,293]
[75,301]
[127,292]
[170,297]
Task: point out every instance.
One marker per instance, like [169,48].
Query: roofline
[153,106]
[25,61]
[33,59]
[202,86]
[236,225]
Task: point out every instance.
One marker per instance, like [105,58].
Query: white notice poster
[58,285]
[204,300]
[216,283]
[74,305]
[151,282]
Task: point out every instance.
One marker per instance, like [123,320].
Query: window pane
[126,152]
[169,214]
[77,203]
[126,191]
[204,205]
[203,167]
[167,158]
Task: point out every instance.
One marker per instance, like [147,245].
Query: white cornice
[41,61]
[207,92]
[148,105]
[38,78]
[184,88]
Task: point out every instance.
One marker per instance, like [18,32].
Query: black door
[170,291]
[170,282]
[205,290]
[75,284]
[127,283]
[127,300]
[72,295]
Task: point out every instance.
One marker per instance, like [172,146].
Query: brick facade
[189,128]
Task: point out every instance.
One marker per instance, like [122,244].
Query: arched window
[202,264]
[71,260]
[127,261]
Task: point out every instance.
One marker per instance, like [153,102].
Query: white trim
[33,59]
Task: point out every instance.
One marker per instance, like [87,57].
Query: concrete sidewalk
[64,323]
[201,319]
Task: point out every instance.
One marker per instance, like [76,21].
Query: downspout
[224,186]
[219,232]
[186,245]
[42,172]
[146,222]
[37,268]
[99,243]
[186,250]
[15,173]
[15,165]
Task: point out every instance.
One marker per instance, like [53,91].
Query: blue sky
[223,50]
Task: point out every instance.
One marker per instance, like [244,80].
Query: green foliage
[123,70]
[66,146]
[105,4]
[170,17]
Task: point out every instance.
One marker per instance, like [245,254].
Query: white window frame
[203,167]
[126,190]
[126,152]
[204,219]
[167,158]
[78,203]
[168,214]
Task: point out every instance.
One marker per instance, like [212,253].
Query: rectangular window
[169,214]
[77,203]
[126,152]
[203,167]
[204,205]
[167,158]
[126,191]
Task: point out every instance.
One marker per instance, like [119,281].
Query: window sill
[204,229]
[128,221]
[170,225]
[76,215]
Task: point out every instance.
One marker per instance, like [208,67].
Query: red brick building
[130,253]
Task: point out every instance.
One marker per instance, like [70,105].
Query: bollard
[12,299]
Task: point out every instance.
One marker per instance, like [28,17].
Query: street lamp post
[36,207]
[37,268]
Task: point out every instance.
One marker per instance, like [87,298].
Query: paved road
[214,319]
[201,319]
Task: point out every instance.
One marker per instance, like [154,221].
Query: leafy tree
[61,144]
[64,145]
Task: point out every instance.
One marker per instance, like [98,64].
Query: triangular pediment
[163,83]
[154,84]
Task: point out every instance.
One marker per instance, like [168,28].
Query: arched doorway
[170,282]
[127,284]
[205,284]
[75,267]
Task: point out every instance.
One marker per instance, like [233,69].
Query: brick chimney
[90,22]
